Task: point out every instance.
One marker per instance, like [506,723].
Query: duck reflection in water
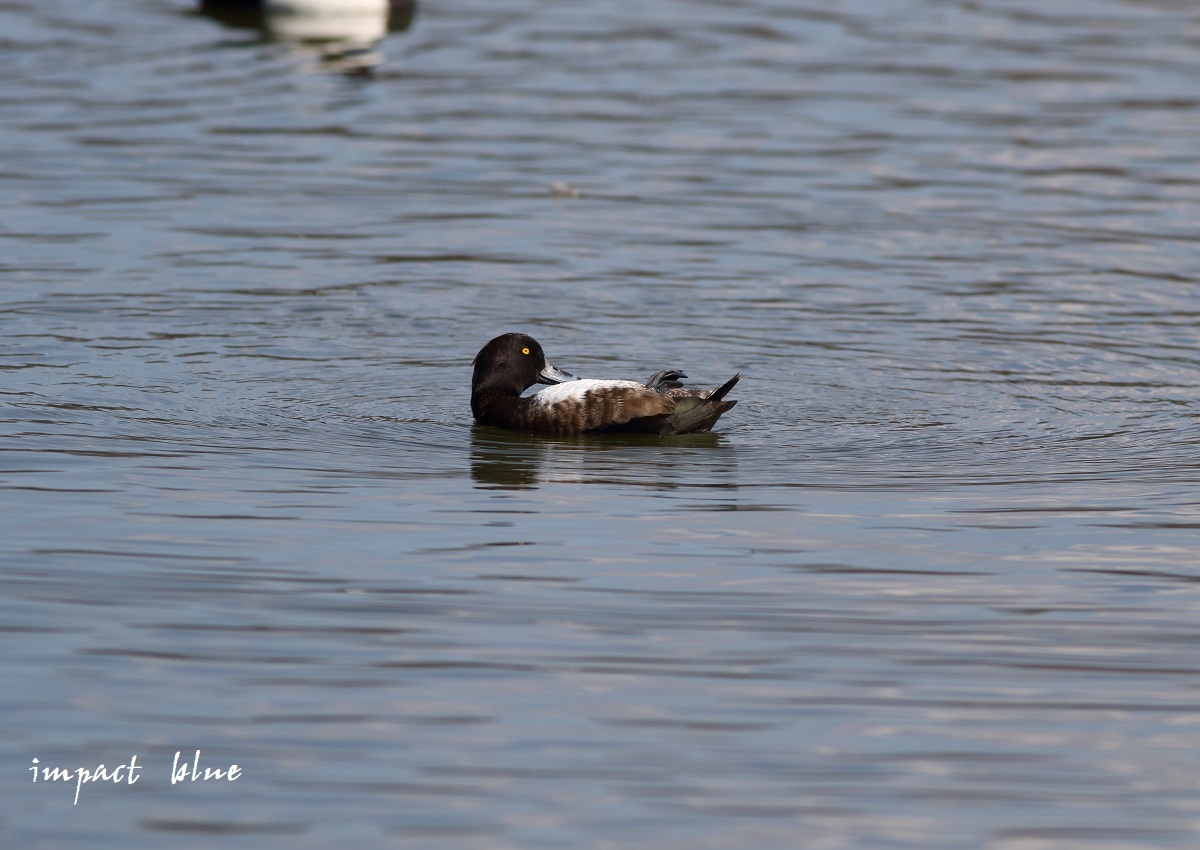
[520,460]
[344,34]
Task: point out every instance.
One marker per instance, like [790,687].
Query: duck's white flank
[576,390]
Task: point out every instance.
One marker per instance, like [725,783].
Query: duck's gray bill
[554,375]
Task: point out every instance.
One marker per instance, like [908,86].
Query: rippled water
[933,583]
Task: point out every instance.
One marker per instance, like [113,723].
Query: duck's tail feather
[700,412]
[719,392]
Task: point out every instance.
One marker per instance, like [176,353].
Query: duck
[361,21]
[513,362]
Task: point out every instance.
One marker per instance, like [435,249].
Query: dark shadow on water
[344,37]
[502,459]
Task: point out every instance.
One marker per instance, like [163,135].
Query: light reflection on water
[932,584]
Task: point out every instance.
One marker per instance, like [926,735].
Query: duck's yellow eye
[524,350]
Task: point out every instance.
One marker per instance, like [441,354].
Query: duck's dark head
[512,363]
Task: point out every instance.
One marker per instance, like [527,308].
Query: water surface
[932,584]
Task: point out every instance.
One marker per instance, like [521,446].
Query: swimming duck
[513,362]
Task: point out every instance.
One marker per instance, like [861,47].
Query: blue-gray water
[932,584]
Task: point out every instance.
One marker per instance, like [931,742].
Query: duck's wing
[593,405]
